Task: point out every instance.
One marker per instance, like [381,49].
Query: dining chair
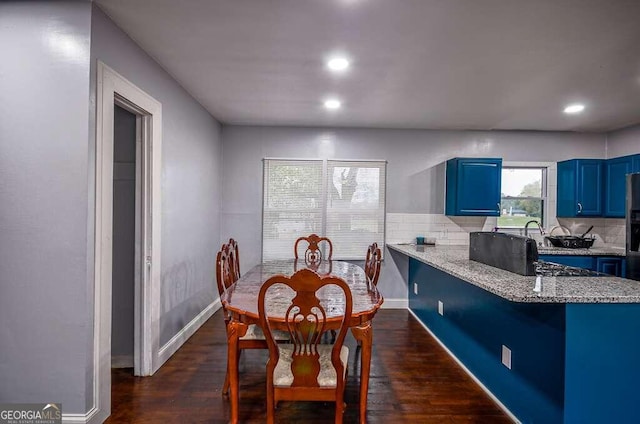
[313,253]
[306,369]
[235,253]
[227,273]
[372,263]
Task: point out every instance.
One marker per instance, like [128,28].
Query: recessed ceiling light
[332,104]
[338,64]
[574,108]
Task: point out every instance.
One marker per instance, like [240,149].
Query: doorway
[128,196]
[126,271]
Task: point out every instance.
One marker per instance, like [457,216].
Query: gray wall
[45,306]
[47,142]
[414,173]
[623,142]
[191,176]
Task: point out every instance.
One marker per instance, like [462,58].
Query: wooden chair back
[313,253]
[306,321]
[225,265]
[234,252]
[372,263]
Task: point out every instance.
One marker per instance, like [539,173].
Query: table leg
[364,334]
[235,330]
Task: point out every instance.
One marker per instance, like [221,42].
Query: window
[343,200]
[523,196]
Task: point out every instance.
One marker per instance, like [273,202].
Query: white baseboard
[395,304]
[81,418]
[122,361]
[478,382]
[183,335]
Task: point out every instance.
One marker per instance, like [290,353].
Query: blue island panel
[603,363]
[477,323]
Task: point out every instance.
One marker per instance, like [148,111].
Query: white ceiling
[440,64]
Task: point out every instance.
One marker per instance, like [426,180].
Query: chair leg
[225,387]
[270,405]
[340,407]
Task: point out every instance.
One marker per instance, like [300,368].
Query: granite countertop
[454,260]
[593,251]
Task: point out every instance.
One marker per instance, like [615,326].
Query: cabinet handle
[579,207]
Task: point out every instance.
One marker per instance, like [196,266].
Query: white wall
[47,196]
[191,176]
[415,173]
[623,142]
[45,309]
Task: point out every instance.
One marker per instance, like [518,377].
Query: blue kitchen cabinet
[473,186]
[616,171]
[611,266]
[580,187]
[586,262]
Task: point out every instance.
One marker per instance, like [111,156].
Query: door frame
[112,89]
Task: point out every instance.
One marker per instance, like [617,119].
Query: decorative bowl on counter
[571,242]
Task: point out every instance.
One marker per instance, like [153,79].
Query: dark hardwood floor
[413,380]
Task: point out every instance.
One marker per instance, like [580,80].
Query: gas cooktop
[552,269]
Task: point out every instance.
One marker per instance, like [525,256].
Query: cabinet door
[611,266]
[590,182]
[635,163]
[566,198]
[473,187]
[616,172]
[479,187]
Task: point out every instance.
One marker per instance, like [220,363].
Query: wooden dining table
[241,301]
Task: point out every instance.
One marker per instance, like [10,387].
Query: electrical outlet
[415,288]
[440,307]
[506,356]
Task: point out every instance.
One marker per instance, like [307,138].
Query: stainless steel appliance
[505,251]
[633,226]
[517,254]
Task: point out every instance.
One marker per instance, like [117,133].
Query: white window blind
[343,200]
[355,206]
[292,204]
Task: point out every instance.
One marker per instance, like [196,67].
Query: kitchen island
[574,343]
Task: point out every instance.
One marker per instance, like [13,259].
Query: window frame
[544,199]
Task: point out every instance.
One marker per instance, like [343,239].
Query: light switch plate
[440,307]
[506,356]
[415,288]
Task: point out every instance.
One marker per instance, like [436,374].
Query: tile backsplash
[404,227]
[607,230]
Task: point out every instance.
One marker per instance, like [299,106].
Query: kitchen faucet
[526,227]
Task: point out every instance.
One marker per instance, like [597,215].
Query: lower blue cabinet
[612,265]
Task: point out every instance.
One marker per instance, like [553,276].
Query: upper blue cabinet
[580,187]
[616,171]
[473,186]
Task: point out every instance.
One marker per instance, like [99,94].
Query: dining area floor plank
[412,379]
